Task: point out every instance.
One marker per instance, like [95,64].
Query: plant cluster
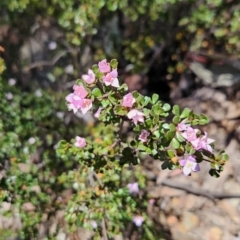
[102,182]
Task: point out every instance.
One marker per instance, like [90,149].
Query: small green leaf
[95,68]
[127,151]
[165,165]
[105,103]
[214,173]
[148,150]
[169,136]
[203,121]
[137,128]
[166,107]
[225,157]
[114,63]
[121,111]
[195,122]
[96,92]
[146,112]
[172,127]
[155,110]
[123,88]
[155,98]
[142,147]
[170,153]
[148,122]
[165,125]
[135,94]
[176,120]
[185,113]
[156,133]
[133,143]
[175,143]
[146,100]
[179,137]
[176,110]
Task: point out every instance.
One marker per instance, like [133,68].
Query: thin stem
[98,179]
[104,230]
[120,129]
[207,160]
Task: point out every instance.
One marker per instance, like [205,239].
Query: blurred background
[187,51]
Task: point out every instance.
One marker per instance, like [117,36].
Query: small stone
[36,189]
[61,236]
[190,220]
[215,233]
[172,220]
[28,207]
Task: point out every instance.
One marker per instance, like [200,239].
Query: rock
[61,236]
[28,207]
[230,210]
[214,233]
[172,220]
[5,207]
[190,220]
[170,192]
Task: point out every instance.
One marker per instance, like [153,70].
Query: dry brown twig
[198,192]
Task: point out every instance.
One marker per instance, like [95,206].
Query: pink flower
[98,112]
[189,164]
[90,77]
[190,134]
[9,96]
[80,142]
[11,81]
[136,116]
[104,66]
[74,102]
[203,143]
[133,187]
[94,224]
[182,126]
[86,105]
[151,201]
[128,100]
[80,91]
[111,79]
[144,135]
[138,220]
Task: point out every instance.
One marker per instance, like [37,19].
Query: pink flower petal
[186,170]
[196,167]
[115,83]
[89,78]
[80,91]
[144,135]
[86,106]
[104,66]
[182,162]
[128,100]
[98,112]
[80,142]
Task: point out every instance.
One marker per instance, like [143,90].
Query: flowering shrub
[107,192]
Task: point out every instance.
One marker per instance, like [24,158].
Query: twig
[98,179]
[115,143]
[91,177]
[198,192]
[104,230]
[54,60]
[120,129]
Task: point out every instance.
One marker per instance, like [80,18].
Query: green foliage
[105,164]
[176,21]
[29,130]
